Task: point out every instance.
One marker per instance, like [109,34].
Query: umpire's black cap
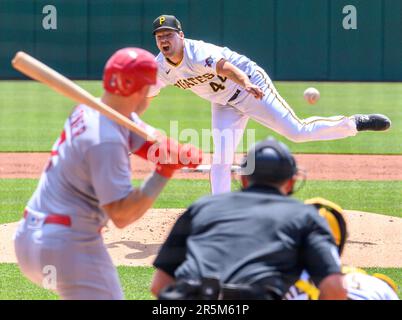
[272,161]
[166,22]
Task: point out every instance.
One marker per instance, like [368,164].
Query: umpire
[249,244]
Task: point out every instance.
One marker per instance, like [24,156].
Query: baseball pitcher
[239,89]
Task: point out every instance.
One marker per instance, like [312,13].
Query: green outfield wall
[352,40]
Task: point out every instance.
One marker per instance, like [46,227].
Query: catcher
[359,284]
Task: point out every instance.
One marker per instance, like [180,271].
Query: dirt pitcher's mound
[138,244]
[375,240]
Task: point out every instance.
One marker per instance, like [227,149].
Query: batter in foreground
[58,243]
[239,89]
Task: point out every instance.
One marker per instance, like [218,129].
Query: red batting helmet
[128,70]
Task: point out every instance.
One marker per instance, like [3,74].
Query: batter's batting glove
[169,156]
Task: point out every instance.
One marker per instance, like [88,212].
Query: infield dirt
[375,240]
[317,166]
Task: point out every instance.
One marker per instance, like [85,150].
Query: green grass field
[14,286]
[371,196]
[135,281]
[32,116]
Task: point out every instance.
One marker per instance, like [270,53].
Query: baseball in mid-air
[311,95]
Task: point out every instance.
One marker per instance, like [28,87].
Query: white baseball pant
[273,112]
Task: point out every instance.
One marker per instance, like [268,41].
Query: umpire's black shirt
[247,236]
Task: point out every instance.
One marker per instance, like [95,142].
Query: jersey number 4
[218,86]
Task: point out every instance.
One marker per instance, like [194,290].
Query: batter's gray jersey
[197,71]
[89,167]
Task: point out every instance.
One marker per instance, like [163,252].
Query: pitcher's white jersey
[197,71]
[232,105]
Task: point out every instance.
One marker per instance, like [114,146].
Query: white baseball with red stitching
[311,95]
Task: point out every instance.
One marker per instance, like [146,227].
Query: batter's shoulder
[99,129]
[113,132]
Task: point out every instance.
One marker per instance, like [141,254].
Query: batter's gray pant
[75,265]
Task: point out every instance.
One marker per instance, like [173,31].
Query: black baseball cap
[166,22]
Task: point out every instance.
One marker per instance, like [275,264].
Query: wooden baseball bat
[37,70]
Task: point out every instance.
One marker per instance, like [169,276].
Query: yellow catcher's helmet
[334,216]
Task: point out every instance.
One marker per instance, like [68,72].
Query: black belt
[210,289]
[249,292]
[235,95]
[207,289]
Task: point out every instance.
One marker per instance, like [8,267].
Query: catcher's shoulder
[212,199]
[239,196]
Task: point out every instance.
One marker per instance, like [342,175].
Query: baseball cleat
[371,122]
